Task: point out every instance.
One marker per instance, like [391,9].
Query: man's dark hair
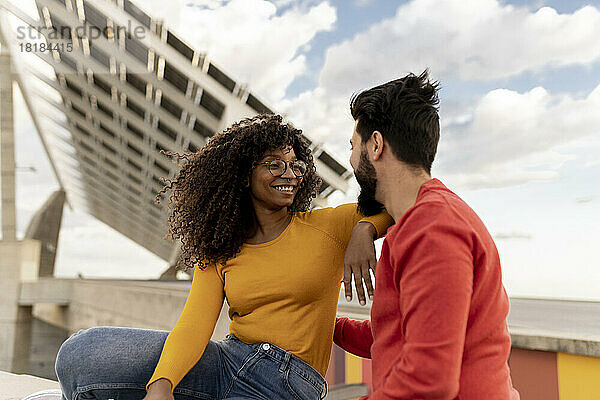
[405,112]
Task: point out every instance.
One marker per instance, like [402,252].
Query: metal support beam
[7,147]
[23,87]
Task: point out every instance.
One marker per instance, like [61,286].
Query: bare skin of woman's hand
[159,390]
[359,259]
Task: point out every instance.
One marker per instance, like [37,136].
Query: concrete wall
[7,148]
[549,375]
[61,307]
[15,319]
[75,304]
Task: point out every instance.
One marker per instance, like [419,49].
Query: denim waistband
[296,364]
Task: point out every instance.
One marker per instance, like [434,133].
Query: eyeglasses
[278,167]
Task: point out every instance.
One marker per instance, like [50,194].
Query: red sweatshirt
[438,321]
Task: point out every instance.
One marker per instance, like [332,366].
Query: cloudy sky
[519,110]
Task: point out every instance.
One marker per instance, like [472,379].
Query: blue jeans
[116,363]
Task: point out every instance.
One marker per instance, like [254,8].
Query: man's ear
[377,145]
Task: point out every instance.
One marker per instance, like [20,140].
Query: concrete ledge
[74,304]
[537,341]
[17,386]
[567,326]
[45,290]
[564,326]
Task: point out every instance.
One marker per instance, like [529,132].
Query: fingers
[348,282]
[358,283]
[373,263]
[359,274]
[366,276]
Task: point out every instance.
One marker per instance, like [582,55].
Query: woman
[240,208]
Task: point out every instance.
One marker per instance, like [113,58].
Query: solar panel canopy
[128,88]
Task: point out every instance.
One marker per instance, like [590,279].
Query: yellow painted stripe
[578,377]
[353,368]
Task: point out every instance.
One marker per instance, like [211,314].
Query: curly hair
[210,206]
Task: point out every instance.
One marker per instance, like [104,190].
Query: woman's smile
[286,189]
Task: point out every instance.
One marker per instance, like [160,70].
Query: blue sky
[520,127]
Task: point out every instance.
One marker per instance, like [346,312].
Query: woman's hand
[159,390]
[359,258]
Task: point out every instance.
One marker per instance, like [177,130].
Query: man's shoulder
[444,211]
[441,201]
[441,193]
[435,205]
[436,208]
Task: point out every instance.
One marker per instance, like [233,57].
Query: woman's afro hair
[210,208]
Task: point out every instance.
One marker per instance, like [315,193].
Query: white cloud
[506,138]
[326,118]
[254,44]
[516,137]
[170,15]
[480,40]
[472,40]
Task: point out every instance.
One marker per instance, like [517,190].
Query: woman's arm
[188,339]
[359,260]
[356,233]
[360,253]
[381,222]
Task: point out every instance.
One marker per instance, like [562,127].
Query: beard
[367,180]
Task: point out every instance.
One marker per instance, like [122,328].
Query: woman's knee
[72,351]
[106,348]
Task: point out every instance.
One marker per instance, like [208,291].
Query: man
[438,320]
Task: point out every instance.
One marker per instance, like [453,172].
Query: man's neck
[400,190]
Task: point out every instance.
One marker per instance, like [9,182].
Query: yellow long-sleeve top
[284,292]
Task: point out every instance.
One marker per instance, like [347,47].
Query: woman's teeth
[286,189]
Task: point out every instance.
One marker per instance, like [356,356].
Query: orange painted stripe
[534,374]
